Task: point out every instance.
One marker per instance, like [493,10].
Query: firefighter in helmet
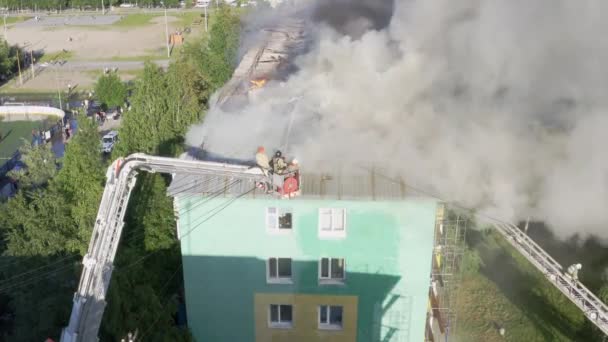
[573,271]
[261,159]
[278,163]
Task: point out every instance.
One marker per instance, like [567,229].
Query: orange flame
[257,84]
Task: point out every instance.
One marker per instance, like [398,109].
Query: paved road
[99,65]
[77,20]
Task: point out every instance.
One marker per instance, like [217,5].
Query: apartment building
[352,259]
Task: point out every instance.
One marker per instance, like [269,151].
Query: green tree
[40,162]
[58,218]
[110,90]
[81,179]
[45,230]
[187,95]
[148,123]
[44,224]
[603,293]
[8,59]
[138,297]
[218,56]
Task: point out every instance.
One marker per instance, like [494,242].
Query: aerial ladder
[89,300]
[593,308]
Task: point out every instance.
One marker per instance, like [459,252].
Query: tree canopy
[164,105]
[8,59]
[46,228]
[41,165]
[110,90]
[216,55]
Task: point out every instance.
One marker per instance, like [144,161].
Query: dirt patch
[161,20]
[48,80]
[95,44]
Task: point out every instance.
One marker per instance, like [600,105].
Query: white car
[127,5]
[108,141]
[202,3]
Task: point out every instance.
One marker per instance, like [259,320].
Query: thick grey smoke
[497,104]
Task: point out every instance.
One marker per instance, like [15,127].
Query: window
[330,317]
[332,222]
[279,270]
[278,220]
[331,271]
[280,316]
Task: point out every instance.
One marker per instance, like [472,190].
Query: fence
[29,113]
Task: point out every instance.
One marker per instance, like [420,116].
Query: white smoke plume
[496,104]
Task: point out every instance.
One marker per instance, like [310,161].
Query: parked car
[108,141]
[202,3]
[127,5]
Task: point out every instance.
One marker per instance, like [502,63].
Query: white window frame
[329,280]
[327,325]
[333,232]
[278,279]
[272,220]
[280,324]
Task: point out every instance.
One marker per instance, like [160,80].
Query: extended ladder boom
[89,300]
[595,310]
[98,263]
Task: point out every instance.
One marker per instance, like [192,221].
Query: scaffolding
[449,247]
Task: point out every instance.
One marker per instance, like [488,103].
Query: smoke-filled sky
[494,104]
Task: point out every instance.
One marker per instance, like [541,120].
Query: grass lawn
[11,87]
[187,18]
[134,72]
[501,288]
[56,56]
[135,20]
[184,19]
[15,20]
[12,132]
[149,56]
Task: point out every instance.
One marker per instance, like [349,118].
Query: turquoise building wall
[387,250]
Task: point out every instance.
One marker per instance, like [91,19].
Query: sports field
[12,135]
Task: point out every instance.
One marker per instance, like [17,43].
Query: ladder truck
[89,300]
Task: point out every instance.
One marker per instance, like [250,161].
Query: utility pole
[206,28]
[19,67]
[167,31]
[5,36]
[32,62]
[103,8]
[58,87]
